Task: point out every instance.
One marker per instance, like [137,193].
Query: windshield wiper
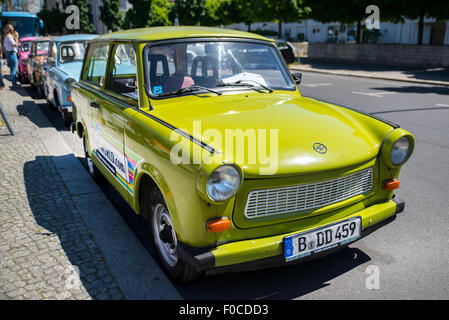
[241,83]
[189,89]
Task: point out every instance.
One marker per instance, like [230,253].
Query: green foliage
[111,15]
[147,13]
[191,12]
[54,21]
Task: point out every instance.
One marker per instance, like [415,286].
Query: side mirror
[41,24]
[297,77]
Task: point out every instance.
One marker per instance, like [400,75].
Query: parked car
[24,51]
[233,168]
[64,64]
[288,50]
[36,61]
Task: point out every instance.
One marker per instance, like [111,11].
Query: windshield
[42,48]
[25,27]
[222,65]
[73,51]
[25,46]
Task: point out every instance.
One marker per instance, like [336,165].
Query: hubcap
[90,165]
[165,235]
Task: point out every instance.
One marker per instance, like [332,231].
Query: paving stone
[41,231]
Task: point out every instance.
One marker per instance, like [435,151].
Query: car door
[116,109]
[104,132]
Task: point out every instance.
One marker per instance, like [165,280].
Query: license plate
[307,243]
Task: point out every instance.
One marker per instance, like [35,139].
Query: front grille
[303,197]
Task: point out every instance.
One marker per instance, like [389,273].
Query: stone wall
[386,54]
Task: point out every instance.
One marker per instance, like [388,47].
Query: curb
[358,75]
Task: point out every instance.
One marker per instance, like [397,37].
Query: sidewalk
[60,238]
[431,76]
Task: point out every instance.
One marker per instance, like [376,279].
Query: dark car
[288,50]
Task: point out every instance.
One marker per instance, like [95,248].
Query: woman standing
[10,46]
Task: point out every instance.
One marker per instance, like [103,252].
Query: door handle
[93,104]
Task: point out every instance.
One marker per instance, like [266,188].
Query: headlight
[397,147]
[223,183]
[400,151]
[68,83]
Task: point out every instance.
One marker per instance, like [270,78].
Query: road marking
[314,85]
[441,105]
[373,94]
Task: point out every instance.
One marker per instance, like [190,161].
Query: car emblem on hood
[319,147]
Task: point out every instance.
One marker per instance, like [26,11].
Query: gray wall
[387,54]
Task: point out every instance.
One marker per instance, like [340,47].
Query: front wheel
[166,241]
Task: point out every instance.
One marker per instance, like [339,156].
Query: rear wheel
[165,238]
[91,168]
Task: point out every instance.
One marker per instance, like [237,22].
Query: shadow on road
[54,211]
[416,89]
[27,108]
[287,282]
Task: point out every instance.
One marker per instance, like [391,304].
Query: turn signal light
[218,225]
[391,184]
[69,98]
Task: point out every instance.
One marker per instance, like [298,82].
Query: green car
[204,132]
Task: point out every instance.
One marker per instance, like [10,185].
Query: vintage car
[64,62]
[24,51]
[233,168]
[37,58]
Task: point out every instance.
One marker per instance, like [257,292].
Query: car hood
[295,123]
[72,69]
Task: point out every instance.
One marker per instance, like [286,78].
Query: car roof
[166,33]
[18,14]
[26,39]
[75,37]
[41,39]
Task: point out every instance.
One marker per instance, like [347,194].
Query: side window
[122,78]
[95,65]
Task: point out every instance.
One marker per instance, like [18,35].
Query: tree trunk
[420,26]
[359,31]
[280,29]
[249,26]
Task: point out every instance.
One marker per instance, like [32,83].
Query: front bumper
[268,252]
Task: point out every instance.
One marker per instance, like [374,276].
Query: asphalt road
[411,254]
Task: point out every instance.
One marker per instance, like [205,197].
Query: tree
[286,11]
[347,12]
[111,15]
[147,13]
[246,11]
[54,21]
[420,9]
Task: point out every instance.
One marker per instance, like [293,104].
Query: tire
[165,238]
[67,119]
[51,106]
[90,166]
